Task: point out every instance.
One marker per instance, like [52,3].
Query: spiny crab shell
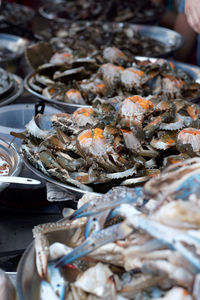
[133,110]
[188,140]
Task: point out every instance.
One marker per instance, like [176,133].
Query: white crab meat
[93,280]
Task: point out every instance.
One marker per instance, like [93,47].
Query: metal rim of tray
[77,191]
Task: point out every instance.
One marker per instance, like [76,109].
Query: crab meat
[92,142]
[188,140]
[132,78]
[74,96]
[114,55]
[133,110]
[83,116]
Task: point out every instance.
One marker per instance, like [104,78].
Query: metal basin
[9,152]
[14,44]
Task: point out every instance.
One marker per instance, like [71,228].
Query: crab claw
[110,200]
[105,236]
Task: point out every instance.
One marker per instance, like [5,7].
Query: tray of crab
[134,243]
[115,142]
[77,82]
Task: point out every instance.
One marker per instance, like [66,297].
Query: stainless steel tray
[13,43]
[192,70]
[10,153]
[16,91]
[77,191]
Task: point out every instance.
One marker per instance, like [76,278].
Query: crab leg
[105,236]
[110,200]
[172,237]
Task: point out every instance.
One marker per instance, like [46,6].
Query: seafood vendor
[190,51]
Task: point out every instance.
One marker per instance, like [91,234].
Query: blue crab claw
[105,236]
[110,200]
[188,187]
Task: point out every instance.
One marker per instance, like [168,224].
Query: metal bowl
[193,71]
[16,90]
[10,153]
[27,280]
[14,44]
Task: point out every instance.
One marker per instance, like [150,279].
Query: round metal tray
[13,43]
[15,92]
[192,70]
[10,153]
[64,186]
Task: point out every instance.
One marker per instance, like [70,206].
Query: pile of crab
[66,78]
[117,141]
[131,243]
[144,11]
[86,38]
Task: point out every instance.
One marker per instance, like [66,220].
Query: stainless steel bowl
[27,280]
[10,153]
[15,92]
[13,43]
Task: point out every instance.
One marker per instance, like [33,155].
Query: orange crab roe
[84,111]
[73,92]
[126,131]
[96,133]
[144,103]
[190,131]
[138,72]
[120,68]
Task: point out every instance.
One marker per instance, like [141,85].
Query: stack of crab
[80,80]
[117,141]
[139,243]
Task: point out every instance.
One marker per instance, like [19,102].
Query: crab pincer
[105,236]
[110,200]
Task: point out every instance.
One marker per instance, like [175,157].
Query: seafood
[110,73]
[111,144]
[101,10]
[137,252]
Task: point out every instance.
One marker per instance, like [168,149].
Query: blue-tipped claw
[105,236]
[110,200]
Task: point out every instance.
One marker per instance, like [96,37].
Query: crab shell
[110,74]
[132,78]
[74,96]
[83,116]
[188,140]
[114,55]
[93,143]
[133,109]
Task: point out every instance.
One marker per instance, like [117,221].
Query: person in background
[192,12]
[169,17]
[189,51]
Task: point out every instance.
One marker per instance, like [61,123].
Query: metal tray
[13,43]
[16,91]
[10,153]
[192,70]
[77,191]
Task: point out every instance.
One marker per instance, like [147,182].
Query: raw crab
[140,246]
[117,142]
[64,77]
